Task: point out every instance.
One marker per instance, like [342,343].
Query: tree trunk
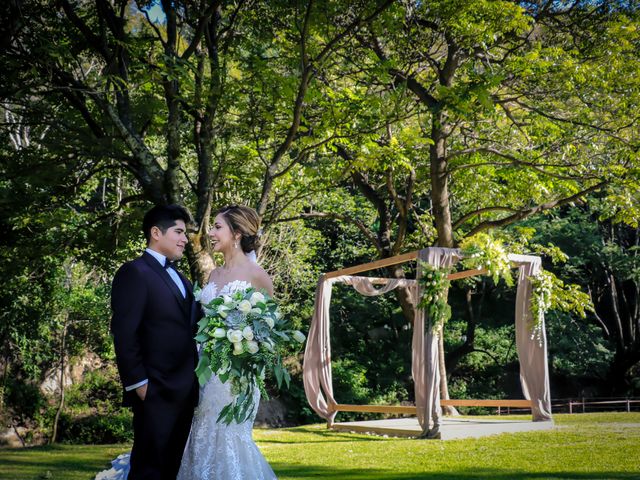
[200,260]
[63,347]
[5,376]
[442,217]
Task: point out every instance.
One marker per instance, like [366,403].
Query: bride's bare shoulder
[260,279]
[213,276]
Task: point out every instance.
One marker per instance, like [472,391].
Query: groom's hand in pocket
[142,391]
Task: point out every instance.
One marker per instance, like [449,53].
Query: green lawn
[583,446]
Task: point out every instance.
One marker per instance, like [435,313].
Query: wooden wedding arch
[532,352]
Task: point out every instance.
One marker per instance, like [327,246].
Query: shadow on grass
[330,435]
[60,464]
[303,471]
[53,461]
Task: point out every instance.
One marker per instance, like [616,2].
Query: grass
[585,446]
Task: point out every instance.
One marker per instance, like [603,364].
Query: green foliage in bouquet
[243,336]
[435,284]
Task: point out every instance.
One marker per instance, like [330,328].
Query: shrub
[115,427]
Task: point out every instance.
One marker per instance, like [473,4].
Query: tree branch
[345,218]
[521,214]
[480,211]
[199,31]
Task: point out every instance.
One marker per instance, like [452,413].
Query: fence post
[570,407]
[628,406]
[582,404]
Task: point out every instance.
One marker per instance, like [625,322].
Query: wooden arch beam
[387,262]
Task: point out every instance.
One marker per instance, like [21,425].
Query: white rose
[234,336]
[222,313]
[227,299]
[237,348]
[247,333]
[256,297]
[252,347]
[219,333]
[298,336]
[269,321]
[244,306]
[256,310]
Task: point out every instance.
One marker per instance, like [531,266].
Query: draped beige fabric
[532,352]
[316,370]
[424,364]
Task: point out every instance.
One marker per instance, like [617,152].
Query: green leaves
[203,369]
[482,251]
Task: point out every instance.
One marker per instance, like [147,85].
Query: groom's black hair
[164,217]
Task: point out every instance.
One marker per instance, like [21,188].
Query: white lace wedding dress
[214,450]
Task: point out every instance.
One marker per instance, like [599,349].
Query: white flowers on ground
[244,336]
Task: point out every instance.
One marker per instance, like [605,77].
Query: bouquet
[243,336]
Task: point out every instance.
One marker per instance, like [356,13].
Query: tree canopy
[357,129]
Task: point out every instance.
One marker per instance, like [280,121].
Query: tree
[520,112]
[605,262]
[159,103]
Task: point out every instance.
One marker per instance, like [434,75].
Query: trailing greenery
[434,285]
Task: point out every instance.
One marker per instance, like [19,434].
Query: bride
[215,450]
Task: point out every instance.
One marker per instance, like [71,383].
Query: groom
[153,326]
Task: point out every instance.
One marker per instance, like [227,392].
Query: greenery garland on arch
[484,252]
[435,284]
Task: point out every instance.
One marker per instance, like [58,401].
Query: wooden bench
[411,410]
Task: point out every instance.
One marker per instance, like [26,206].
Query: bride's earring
[235,244]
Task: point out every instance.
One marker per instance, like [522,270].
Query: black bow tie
[169,264]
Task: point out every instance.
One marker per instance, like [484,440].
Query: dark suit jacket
[153,330]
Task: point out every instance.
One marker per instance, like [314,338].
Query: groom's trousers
[160,430]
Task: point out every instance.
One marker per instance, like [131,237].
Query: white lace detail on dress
[216,450]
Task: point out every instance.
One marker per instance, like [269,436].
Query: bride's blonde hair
[246,222]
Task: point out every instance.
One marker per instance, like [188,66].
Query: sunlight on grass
[585,446]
